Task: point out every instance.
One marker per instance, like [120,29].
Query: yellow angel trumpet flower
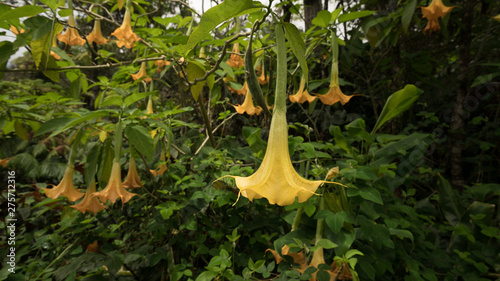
[126,37]
[142,73]
[302,94]
[433,12]
[65,187]
[89,202]
[276,178]
[132,181]
[71,36]
[96,34]
[162,168]
[235,60]
[248,106]
[334,94]
[114,189]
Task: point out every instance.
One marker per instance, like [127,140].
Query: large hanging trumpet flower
[433,12]
[65,187]
[334,94]
[302,94]
[142,73]
[235,60]
[132,181]
[276,178]
[126,37]
[114,189]
[96,34]
[71,36]
[248,106]
[89,202]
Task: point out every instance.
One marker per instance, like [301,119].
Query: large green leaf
[397,103]
[322,19]
[298,46]
[448,201]
[140,138]
[407,15]
[217,15]
[195,70]
[21,12]
[355,15]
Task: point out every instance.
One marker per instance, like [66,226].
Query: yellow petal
[132,181]
[114,189]
[90,203]
[276,178]
[65,187]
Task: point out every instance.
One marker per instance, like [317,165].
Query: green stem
[280,98]
[208,126]
[56,259]
[296,219]
[320,222]
[118,141]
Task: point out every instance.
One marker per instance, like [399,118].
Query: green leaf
[53,125]
[336,221]
[335,14]
[21,12]
[401,233]
[140,138]
[293,36]
[397,103]
[206,276]
[448,202]
[6,50]
[91,163]
[136,97]
[355,15]
[217,15]
[340,139]
[322,19]
[327,244]
[352,253]
[371,194]
[195,70]
[407,15]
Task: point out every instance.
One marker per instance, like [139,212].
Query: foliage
[398,210]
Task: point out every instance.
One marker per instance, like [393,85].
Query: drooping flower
[334,94]
[248,106]
[236,60]
[142,73]
[302,94]
[132,181]
[298,257]
[96,34]
[433,12]
[263,78]
[4,162]
[149,107]
[160,64]
[276,178]
[114,189]
[89,202]
[71,36]
[161,168]
[243,91]
[126,37]
[65,187]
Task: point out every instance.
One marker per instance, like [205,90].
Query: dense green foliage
[416,147]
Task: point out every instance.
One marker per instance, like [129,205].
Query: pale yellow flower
[334,94]
[162,168]
[96,34]
[433,12]
[126,37]
[248,106]
[65,187]
[114,189]
[235,60]
[89,202]
[71,36]
[302,94]
[142,73]
[132,181]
